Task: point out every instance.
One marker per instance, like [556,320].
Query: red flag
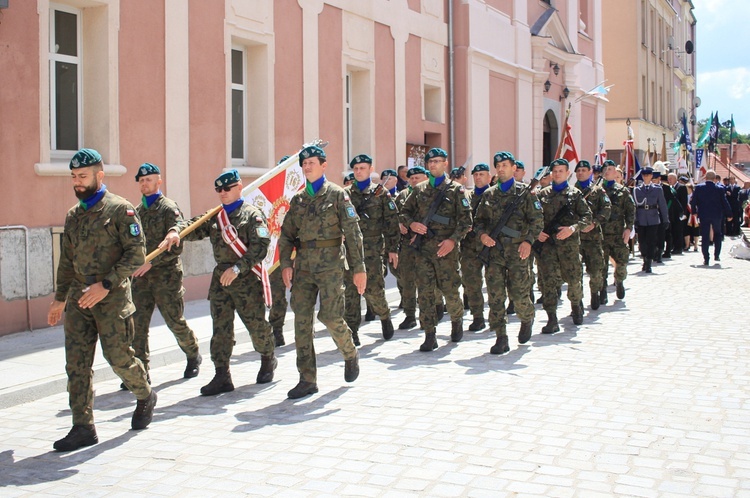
[568,150]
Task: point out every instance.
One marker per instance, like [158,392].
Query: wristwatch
[236,269]
[107,284]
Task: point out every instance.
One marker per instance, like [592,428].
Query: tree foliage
[724,132]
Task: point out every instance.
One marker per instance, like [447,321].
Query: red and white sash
[230,236]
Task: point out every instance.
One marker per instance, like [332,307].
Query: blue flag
[685,139]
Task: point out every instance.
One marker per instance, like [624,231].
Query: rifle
[484,255]
[551,228]
[377,192]
[431,215]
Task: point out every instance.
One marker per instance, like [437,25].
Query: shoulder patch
[465,202]
[391,205]
[135,229]
[130,212]
[262,232]
[537,205]
[350,212]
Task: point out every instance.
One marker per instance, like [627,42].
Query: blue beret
[457,172]
[147,169]
[360,158]
[503,156]
[539,172]
[84,158]
[435,152]
[416,170]
[312,151]
[583,164]
[480,167]
[609,162]
[227,178]
[282,160]
[388,172]
[519,165]
[559,161]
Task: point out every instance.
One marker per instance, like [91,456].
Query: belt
[89,279]
[647,206]
[317,244]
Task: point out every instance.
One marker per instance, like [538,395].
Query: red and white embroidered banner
[568,151]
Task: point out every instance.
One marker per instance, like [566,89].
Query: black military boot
[648,265]
[409,322]
[457,330]
[387,327]
[511,309]
[302,389]
[355,334]
[221,383]
[501,344]
[78,437]
[268,364]
[576,311]
[552,325]
[369,314]
[144,412]
[478,323]
[278,336]
[193,367]
[466,301]
[603,295]
[525,333]
[430,342]
[439,312]
[351,368]
[620,289]
[594,300]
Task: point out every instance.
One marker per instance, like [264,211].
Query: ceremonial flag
[713,133]
[600,92]
[568,150]
[731,144]
[700,170]
[629,161]
[704,134]
[685,139]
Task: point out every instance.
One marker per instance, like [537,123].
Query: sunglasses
[225,188]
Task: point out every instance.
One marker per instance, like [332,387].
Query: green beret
[227,178]
[147,169]
[503,156]
[457,172]
[435,152]
[609,162]
[559,161]
[312,151]
[416,170]
[388,172]
[349,177]
[539,172]
[84,158]
[480,167]
[519,165]
[583,164]
[360,158]
[282,160]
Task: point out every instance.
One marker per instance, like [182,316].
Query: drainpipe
[28,297]
[451,105]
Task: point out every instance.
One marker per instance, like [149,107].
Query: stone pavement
[648,398]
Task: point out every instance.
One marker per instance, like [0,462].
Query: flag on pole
[731,144]
[685,139]
[568,150]
[704,134]
[700,170]
[713,133]
[629,161]
[600,92]
[646,162]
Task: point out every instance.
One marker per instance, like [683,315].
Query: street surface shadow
[488,362]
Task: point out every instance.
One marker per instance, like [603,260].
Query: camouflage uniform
[506,269]
[318,221]
[101,243]
[591,242]
[279,303]
[245,294]
[405,281]
[162,285]
[621,217]
[471,267]
[439,274]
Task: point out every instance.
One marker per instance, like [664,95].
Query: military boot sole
[264,377]
[407,324]
[477,325]
[193,367]
[142,420]
[500,347]
[550,329]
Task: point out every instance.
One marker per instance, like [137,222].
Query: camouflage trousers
[437,276]
[472,278]
[305,289]
[613,247]
[506,270]
[161,287]
[244,295]
[593,258]
[82,329]
[375,290]
[557,264]
[279,304]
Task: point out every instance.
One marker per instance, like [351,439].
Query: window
[644,97]
[644,23]
[65,79]
[239,103]
[433,103]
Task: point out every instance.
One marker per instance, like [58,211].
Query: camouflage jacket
[157,220]
[622,212]
[471,242]
[578,213]
[527,219]
[104,242]
[325,216]
[454,213]
[378,215]
[600,207]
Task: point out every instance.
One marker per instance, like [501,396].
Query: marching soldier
[438,212]
[239,236]
[591,236]
[102,245]
[565,214]
[159,283]
[616,230]
[507,265]
[318,216]
[378,222]
[650,213]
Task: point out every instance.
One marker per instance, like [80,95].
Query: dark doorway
[551,137]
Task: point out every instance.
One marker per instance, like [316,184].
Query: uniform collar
[230,208]
[87,204]
[148,200]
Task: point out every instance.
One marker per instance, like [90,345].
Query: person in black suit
[710,203]
[678,214]
[733,196]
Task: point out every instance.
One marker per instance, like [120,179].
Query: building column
[311,9]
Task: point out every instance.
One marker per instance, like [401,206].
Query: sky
[723,60]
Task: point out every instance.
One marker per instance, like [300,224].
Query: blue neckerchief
[229,208]
[87,204]
[559,187]
[435,181]
[610,183]
[585,184]
[363,184]
[505,186]
[312,188]
[480,191]
[393,191]
[147,200]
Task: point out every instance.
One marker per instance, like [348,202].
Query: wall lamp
[565,94]
[547,86]
[555,67]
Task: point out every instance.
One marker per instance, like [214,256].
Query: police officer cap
[282,160]
[435,152]
[147,169]
[416,170]
[583,164]
[480,167]
[227,178]
[561,160]
[312,151]
[656,174]
[361,158]
[609,162]
[648,170]
[520,165]
[684,178]
[596,168]
[503,156]
[388,172]
[84,158]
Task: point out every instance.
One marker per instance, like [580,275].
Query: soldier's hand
[418,227]
[286,276]
[445,247]
[402,229]
[172,239]
[487,240]
[393,259]
[588,228]
[543,237]
[92,295]
[360,280]
[564,232]
[142,270]
[55,312]
[227,277]
[524,250]
[626,235]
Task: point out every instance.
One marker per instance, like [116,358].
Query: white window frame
[240,161]
[348,114]
[53,58]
